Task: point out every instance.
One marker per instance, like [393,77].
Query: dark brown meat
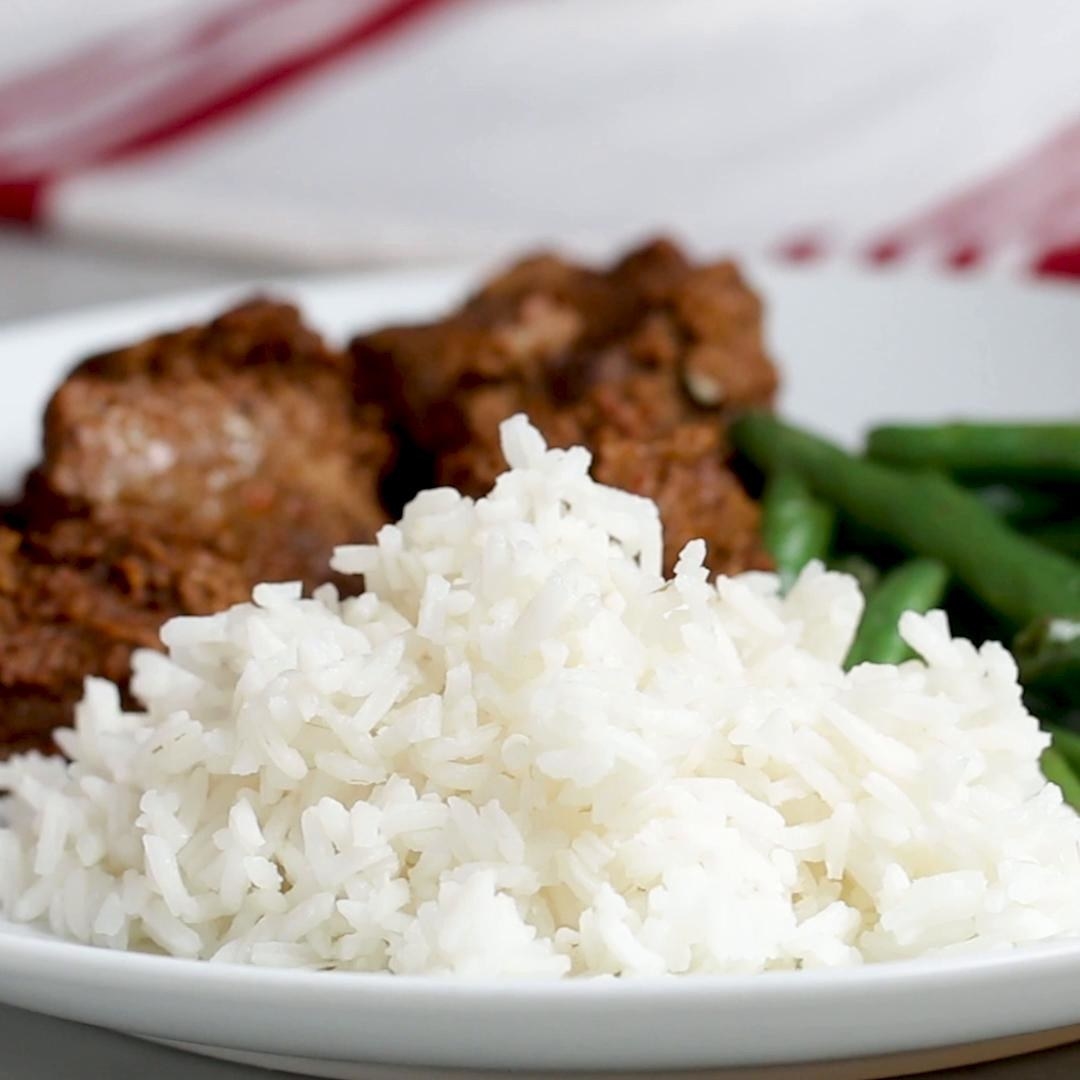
[240,435]
[76,601]
[698,495]
[642,363]
[181,471]
[177,474]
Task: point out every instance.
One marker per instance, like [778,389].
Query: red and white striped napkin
[942,132]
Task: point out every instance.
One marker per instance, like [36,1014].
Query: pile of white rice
[522,751]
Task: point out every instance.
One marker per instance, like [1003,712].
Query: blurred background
[153,144]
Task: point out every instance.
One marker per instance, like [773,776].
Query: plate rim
[25,945]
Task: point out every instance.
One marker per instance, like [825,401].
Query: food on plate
[1066,744]
[916,585]
[246,449]
[78,599]
[1024,505]
[1031,451]
[796,526]
[1058,769]
[643,363]
[523,750]
[1062,536]
[177,474]
[525,730]
[924,512]
[241,434]
[1049,656]
[1029,588]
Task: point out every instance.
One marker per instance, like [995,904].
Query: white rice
[522,751]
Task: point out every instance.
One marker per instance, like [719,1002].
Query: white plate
[854,349]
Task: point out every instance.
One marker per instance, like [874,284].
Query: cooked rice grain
[522,752]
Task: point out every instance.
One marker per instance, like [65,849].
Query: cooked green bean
[796,527]
[928,515]
[1063,536]
[1049,659]
[1057,770]
[995,450]
[860,568]
[1066,743]
[1024,505]
[918,585]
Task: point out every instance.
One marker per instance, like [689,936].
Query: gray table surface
[39,276]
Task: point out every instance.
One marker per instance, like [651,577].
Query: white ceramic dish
[854,349]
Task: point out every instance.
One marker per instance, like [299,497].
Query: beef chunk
[240,435]
[181,471]
[698,495]
[76,601]
[643,363]
[177,474]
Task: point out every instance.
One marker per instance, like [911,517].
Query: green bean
[853,538]
[1056,769]
[1049,659]
[860,568]
[926,514]
[918,585]
[1050,710]
[1066,743]
[996,450]
[1063,536]
[796,527]
[1024,505]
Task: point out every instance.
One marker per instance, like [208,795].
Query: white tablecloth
[330,131]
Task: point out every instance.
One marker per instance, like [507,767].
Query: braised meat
[76,600]
[241,435]
[181,471]
[698,495]
[177,474]
[641,363]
